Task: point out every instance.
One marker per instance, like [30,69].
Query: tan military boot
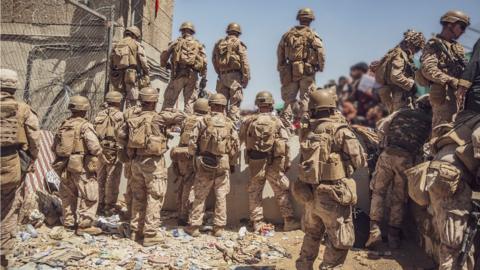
[218,231]
[393,237]
[375,234]
[90,230]
[149,241]
[192,230]
[290,224]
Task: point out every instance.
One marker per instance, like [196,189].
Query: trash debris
[242,232]
[57,233]
[36,218]
[267,230]
[31,230]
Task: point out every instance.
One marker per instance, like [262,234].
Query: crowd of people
[130,134]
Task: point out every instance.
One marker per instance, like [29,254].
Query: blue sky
[352,30]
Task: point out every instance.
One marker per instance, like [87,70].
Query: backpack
[261,133]
[185,53]
[67,139]
[296,44]
[228,57]
[382,68]
[140,134]
[187,129]
[215,138]
[105,126]
[124,54]
[11,122]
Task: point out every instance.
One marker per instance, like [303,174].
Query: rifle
[202,86]
[470,233]
[458,64]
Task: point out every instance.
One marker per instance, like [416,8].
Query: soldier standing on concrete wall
[106,124]
[443,61]
[19,132]
[231,64]
[403,135]
[330,152]
[146,135]
[183,161]
[396,71]
[268,158]
[127,64]
[77,149]
[186,59]
[214,144]
[300,55]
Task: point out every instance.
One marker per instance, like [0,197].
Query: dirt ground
[59,249]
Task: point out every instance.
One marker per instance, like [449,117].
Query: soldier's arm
[91,140]
[234,147]
[430,69]
[170,117]
[142,59]
[352,148]
[243,130]
[203,55]
[281,54]
[193,141]
[397,75]
[215,58]
[320,51]
[242,51]
[32,130]
[165,55]
[283,136]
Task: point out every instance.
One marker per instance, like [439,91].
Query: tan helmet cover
[148,94]
[234,27]
[322,99]
[453,16]
[78,103]
[114,97]
[306,13]
[217,99]
[8,79]
[264,97]
[187,25]
[201,106]
[134,30]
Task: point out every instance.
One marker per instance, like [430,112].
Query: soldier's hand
[232,168]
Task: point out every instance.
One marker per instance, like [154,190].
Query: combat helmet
[264,97]
[415,38]
[322,99]
[78,103]
[134,31]
[113,97]
[453,16]
[234,27]
[187,25]
[217,99]
[201,106]
[148,94]
[305,13]
[9,79]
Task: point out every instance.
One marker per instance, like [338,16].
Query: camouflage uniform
[187,60]
[326,165]
[148,181]
[79,186]
[111,168]
[267,166]
[451,175]
[230,61]
[403,135]
[183,163]
[300,55]
[10,172]
[125,79]
[212,169]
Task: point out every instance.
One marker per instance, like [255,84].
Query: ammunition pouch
[156,145]
[179,153]
[343,191]
[130,76]
[445,179]
[333,169]
[75,163]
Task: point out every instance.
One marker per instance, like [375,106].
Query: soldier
[19,132]
[231,64]
[451,176]
[397,72]
[145,135]
[468,93]
[214,144]
[186,59]
[443,61]
[106,124]
[77,149]
[128,58]
[300,55]
[403,135]
[330,152]
[267,155]
[183,161]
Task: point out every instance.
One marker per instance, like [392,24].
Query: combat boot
[192,230]
[156,239]
[218,231]
[393,237]
[375,234]
[89,230]
[290,224]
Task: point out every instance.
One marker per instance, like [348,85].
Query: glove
[232,168]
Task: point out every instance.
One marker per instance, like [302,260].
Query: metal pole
[109,48]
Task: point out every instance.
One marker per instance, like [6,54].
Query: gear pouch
[75,163]
[130,76]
